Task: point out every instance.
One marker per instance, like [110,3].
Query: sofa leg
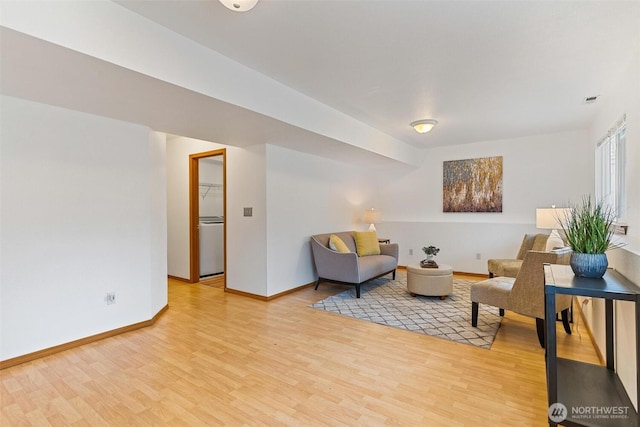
[474,314]
[358,290]
[393,277]
[565,321]
[540,330]
[317,284]
[501,311]
[490,275]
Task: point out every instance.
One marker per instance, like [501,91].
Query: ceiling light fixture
[424,126]
[239,5]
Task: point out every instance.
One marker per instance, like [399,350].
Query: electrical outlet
[478,255]
[410,251]
[110,298]
[248,211]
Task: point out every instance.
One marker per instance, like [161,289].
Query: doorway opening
[207,217]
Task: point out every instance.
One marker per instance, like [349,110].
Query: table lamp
[551,219]
[372,217]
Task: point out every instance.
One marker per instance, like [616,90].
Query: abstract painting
[472,185]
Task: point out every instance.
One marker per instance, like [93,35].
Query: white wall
[538,171]
[73,164]
[177,163]
[246,236]
[82,214]
[307,195]
[158,218]
[292,195]
[624,99]
[211,198]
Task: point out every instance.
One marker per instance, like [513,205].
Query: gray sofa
[349,268]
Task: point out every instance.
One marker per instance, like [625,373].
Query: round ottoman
[430,281]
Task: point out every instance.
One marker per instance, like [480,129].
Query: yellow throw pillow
[367,243]
[336,244]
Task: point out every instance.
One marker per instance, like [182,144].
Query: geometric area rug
[387,302]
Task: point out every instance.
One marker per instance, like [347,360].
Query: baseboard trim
[290,291]
[179,279]
[478,275]
[296,289]
[246,294]
[265,298]
[601,358]
[82,341]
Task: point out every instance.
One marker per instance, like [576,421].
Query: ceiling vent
[591,99]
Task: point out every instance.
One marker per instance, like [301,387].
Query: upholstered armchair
[523,294]
[510,267]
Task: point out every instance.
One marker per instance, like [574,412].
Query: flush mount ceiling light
[239,5]
[424,126]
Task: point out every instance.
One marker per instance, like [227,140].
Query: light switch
[248,211]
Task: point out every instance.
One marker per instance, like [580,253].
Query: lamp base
[554,241]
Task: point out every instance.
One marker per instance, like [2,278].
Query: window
[610,169]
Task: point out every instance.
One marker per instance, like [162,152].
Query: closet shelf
[205,187]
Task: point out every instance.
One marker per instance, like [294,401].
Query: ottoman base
[430,281]
[442,297]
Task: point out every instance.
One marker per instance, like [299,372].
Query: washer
[211,246]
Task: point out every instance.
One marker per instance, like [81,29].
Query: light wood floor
[221,359]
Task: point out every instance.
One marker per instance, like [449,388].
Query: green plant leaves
[589,227]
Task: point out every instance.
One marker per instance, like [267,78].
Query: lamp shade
[551,218]
[372,216]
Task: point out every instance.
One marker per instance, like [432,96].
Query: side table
[430,281]
[574,386]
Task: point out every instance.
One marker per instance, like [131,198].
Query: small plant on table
[431,251]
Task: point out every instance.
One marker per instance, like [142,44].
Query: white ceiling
[486,70]
[41,71]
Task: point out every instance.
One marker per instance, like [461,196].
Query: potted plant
[588,229]
[431,251]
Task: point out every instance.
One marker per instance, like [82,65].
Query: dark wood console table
[592,395]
